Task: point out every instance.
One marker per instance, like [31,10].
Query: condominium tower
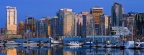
[11,24]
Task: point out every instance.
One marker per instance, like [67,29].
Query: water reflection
[67,50]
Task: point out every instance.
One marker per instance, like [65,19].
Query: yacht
[73,43]
[56,41]
[88,43]
[30,44]
[134,45]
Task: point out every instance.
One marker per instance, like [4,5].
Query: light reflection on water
[66,50]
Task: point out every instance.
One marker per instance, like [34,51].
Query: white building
[11,20]
[121,31]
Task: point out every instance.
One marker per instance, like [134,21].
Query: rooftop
[97,7]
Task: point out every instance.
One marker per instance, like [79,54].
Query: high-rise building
[104,21]
[117,14]
[42,27]
[11,20]
[49,28]
[85,24]
[66,22]
[30,26]
[96,12]
[21,27]
[54,26]
[139,27]
[79,22]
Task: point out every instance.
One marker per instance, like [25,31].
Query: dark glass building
[54,27]
[30,26]
[42,27]
[116,14]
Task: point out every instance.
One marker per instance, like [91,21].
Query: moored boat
[73,43]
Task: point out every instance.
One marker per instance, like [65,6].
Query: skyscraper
[116,14]
[66,22]
[30,26]
[96,12]
[11,20]
[85,24]
[104,21]
[42,27]
[139,27]
[54,26]
[79,22]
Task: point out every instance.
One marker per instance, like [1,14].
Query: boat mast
[123,30]
[102,31]
[93,29]
[132,28]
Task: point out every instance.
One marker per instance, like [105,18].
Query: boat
[30,44]
[56,41]
[134,45]
[88,43]
[73,43]
[109,45]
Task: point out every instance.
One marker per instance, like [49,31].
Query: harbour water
[67,50]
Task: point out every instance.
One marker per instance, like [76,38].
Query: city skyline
[39,9]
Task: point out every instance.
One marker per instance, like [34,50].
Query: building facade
[117,14]
[139,19]
[85,24]
[42,27]
[11,20]
[54,26]
[104,24]
[96,12]
[30,26]
[66,22]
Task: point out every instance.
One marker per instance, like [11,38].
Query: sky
[49,8]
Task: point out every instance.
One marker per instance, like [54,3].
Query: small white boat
[88,43]
[73,43]
[132,44]
[30,44]
[56,41]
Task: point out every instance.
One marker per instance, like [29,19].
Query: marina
[98,42]
[67,50]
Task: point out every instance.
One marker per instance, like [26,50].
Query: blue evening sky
[44,8]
